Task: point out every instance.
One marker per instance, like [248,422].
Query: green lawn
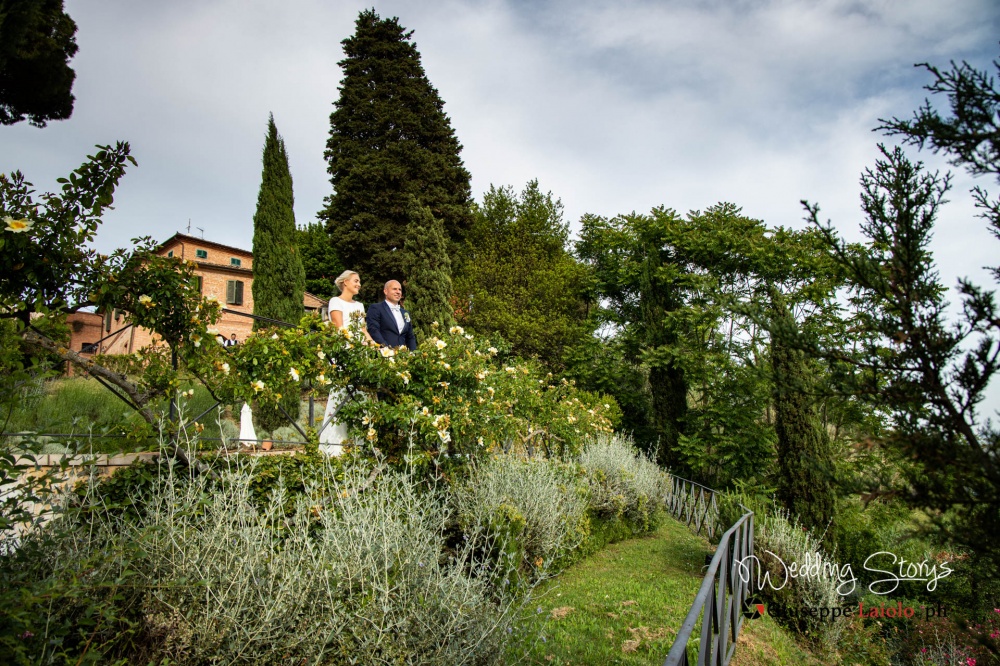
[622,605]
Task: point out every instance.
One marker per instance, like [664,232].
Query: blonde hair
[342,278]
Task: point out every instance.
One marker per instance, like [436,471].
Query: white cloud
[614,106]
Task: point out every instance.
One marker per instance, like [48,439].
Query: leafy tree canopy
[37,39]
[319,260]
[689,298]
[519,280]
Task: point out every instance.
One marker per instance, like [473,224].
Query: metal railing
[724,590]
[190,422]
[694,505]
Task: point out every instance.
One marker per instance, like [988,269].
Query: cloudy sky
[614,107]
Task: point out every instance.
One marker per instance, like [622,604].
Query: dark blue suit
[382,327]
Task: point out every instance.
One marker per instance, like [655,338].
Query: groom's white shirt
[397,314]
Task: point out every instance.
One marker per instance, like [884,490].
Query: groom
[388,323]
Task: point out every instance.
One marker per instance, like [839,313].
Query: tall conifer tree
[805,466]
[428,288]
[278,276]
[389,140]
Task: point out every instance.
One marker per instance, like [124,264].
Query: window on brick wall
[197,282]
[170,254]
[235,262]
[234,292]
[201,254]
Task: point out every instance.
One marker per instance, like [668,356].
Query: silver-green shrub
[778,536]
[286,434]
[624,483]
[356,575]
[229,432]
[533,509]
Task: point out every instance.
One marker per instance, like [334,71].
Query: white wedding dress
[330,440]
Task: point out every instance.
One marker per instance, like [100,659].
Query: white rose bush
[449,399]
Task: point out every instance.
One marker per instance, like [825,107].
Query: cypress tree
[390,140]
[805,467]
[428,287]
[278,276]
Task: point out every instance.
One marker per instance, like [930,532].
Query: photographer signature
[898,570]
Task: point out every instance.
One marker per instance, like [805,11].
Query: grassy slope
[628,601]
[762,643]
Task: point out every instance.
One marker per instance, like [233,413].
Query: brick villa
[222,271]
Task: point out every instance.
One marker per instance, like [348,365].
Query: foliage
[77,406]
[428,270]
[449,399]
[37,40]
[736,265]
[928,374]
[534,510]
[881,525]
[518,279]
[355,560]
[46,263]
[390,140]
[47,610]
[940,643]
[685,295]
[159,294]
[624,484]
[971,136]
[637,275]
[356,571]
[319,260]
[805,468]
[778,533]
[48,271]
[453,396]
[608,366]
[278,276]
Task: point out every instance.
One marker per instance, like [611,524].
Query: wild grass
[763,642]
[98,421]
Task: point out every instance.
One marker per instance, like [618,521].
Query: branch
[140,400]
[36,339]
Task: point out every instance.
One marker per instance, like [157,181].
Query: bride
[342,308]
